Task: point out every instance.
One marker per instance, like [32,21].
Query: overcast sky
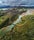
[16,2]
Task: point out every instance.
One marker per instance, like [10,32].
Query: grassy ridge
[24,30]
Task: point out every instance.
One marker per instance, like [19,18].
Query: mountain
[24,30]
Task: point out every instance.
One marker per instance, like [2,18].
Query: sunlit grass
[2,19]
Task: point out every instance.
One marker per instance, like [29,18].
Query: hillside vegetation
[23,30]
[7,17]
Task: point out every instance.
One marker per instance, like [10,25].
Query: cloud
[16,2]
[0,2]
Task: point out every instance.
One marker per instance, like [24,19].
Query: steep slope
[7,17]
[24,30]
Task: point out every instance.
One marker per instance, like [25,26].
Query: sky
[16,2]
